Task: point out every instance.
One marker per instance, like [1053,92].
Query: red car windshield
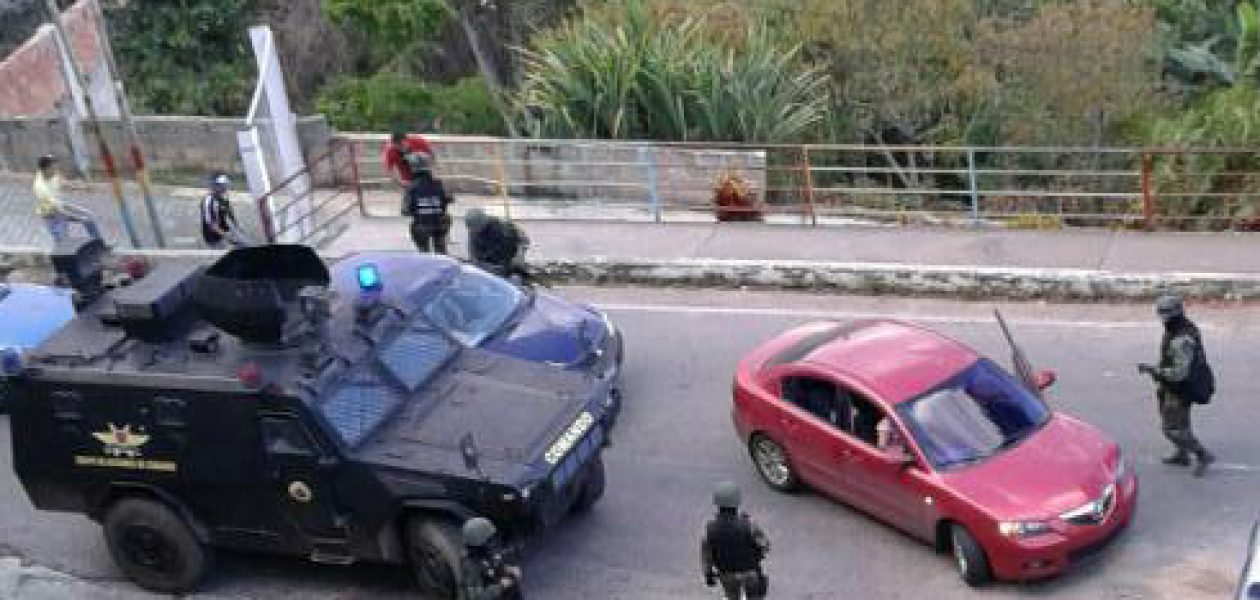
[973,415]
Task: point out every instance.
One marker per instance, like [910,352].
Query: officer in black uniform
[497,245]
[1184,378]
[218,223]
[425,201]
[484,574]
[733,548]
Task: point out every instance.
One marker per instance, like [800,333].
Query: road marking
[1216,466]
[825,314]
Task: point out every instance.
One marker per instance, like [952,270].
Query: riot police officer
[484,574]
[1184,378]
[733,548]
[425,201]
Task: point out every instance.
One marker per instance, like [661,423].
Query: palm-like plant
[641,73]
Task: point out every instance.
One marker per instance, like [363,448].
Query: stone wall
[177,148]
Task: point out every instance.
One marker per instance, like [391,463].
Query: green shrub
[1225,118]
[386,101]
[648,70]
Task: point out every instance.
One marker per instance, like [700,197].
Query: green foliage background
[185,57]
[993,72]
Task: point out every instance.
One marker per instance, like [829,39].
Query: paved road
[675,440]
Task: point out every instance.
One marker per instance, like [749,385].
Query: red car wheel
[772,463]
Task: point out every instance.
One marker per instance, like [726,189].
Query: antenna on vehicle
[472,456]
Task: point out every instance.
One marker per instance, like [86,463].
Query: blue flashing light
[10,362]
[369,278]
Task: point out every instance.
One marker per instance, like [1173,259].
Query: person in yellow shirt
[58,215]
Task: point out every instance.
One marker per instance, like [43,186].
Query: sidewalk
[1093,250]
[959,262]
[588,243]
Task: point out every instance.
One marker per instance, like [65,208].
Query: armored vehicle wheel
[592,487]
[154,546]
[773,464]
[434,551]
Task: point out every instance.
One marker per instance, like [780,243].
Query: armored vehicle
[246,406]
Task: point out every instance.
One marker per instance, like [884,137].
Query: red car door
[814,444]
[901,495]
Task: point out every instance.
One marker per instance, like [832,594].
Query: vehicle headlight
[1023,529]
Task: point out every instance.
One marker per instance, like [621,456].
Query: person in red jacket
[396,152]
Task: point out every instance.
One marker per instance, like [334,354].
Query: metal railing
[1020,186]
[322,208]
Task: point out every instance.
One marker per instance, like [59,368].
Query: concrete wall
[177,148]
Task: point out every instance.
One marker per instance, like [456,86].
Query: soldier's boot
[1179,458]
[1202,459]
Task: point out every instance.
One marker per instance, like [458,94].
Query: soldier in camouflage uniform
[484,574]
[1184,379]
[732,549]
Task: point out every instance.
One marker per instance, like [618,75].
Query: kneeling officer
[485,575]
[733,548]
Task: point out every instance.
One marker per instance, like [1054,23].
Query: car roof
[896,360]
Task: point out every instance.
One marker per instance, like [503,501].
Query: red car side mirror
[1044,379]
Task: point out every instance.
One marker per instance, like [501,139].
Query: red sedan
[925,434]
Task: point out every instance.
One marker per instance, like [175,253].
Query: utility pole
[133,137]
[107,159]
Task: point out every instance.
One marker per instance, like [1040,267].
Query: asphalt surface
[675,440]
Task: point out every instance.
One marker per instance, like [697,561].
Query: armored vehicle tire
[154,547]
[592,487]
[434,549]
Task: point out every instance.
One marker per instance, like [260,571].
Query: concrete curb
[851,278]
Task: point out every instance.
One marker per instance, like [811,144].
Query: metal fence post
[971,185]
[648,161]
[354,173]
[1148,202]
[501,166]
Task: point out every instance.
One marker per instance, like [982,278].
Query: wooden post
[501,167]
[1148,202]
[808,178]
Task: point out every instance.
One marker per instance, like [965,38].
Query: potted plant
[734,200]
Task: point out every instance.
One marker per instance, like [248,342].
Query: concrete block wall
[178,149]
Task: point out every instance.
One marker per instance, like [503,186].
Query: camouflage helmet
[478,531]
[1169,306]
[726,495]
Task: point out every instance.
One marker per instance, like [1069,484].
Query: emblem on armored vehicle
[121,441]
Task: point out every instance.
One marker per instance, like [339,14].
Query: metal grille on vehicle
[358,407]
[577,457]
[415,355]
[1094,512]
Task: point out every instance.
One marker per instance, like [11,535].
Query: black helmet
[478,531]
